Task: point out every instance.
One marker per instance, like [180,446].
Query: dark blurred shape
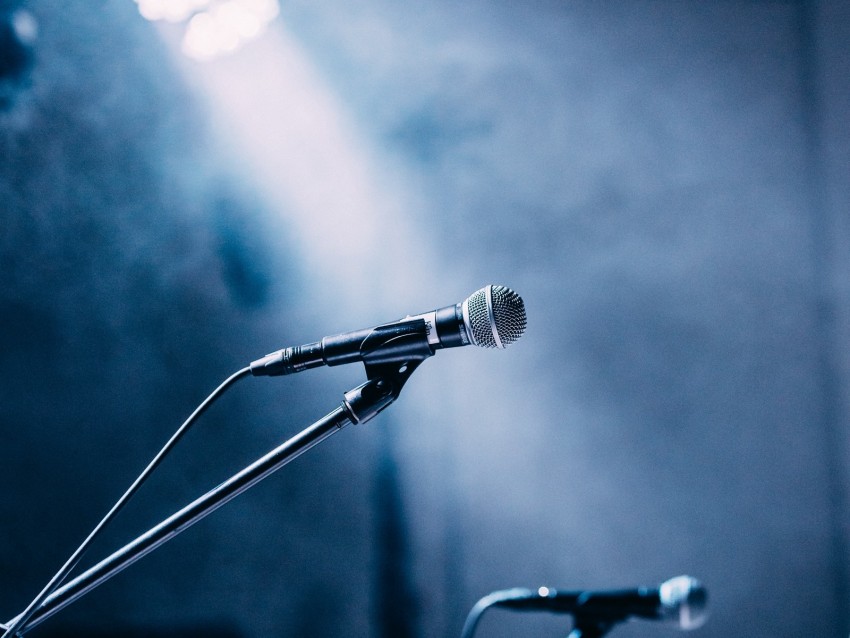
[396,605]
[244,261]
[18,31]
[27,329]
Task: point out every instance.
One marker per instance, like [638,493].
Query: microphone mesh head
[494,316]
[684,600]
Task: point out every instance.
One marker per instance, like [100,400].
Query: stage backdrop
[665,184]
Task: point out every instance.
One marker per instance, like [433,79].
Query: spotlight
[213,27]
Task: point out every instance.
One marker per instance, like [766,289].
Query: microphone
[492,317]
[680,601]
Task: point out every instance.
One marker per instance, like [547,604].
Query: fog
[664,183]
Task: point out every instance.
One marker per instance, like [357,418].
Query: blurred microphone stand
[589,627]
[680,601]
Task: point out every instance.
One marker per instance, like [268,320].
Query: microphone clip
[586,627]
[390,354]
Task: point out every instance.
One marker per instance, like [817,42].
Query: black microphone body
[493,316]
[642,602]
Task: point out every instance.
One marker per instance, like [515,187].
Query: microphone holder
[590,628]
[389,361]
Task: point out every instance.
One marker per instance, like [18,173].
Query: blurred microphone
[492,317]
[680,601]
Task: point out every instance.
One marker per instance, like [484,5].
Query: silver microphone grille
[684,600]
[494,317]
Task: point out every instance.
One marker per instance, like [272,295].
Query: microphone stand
[589,628]
[388,366]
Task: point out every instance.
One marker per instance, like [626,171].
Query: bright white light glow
[170,10]
[26,28]
[350,214]
[215,27]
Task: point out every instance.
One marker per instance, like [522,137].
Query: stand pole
[390,356]
[189,515]
[590,628]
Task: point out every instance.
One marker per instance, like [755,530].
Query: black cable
[483,605]
[12,629]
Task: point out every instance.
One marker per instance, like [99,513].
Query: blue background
[665,184]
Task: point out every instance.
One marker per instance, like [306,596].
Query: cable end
[271,365]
